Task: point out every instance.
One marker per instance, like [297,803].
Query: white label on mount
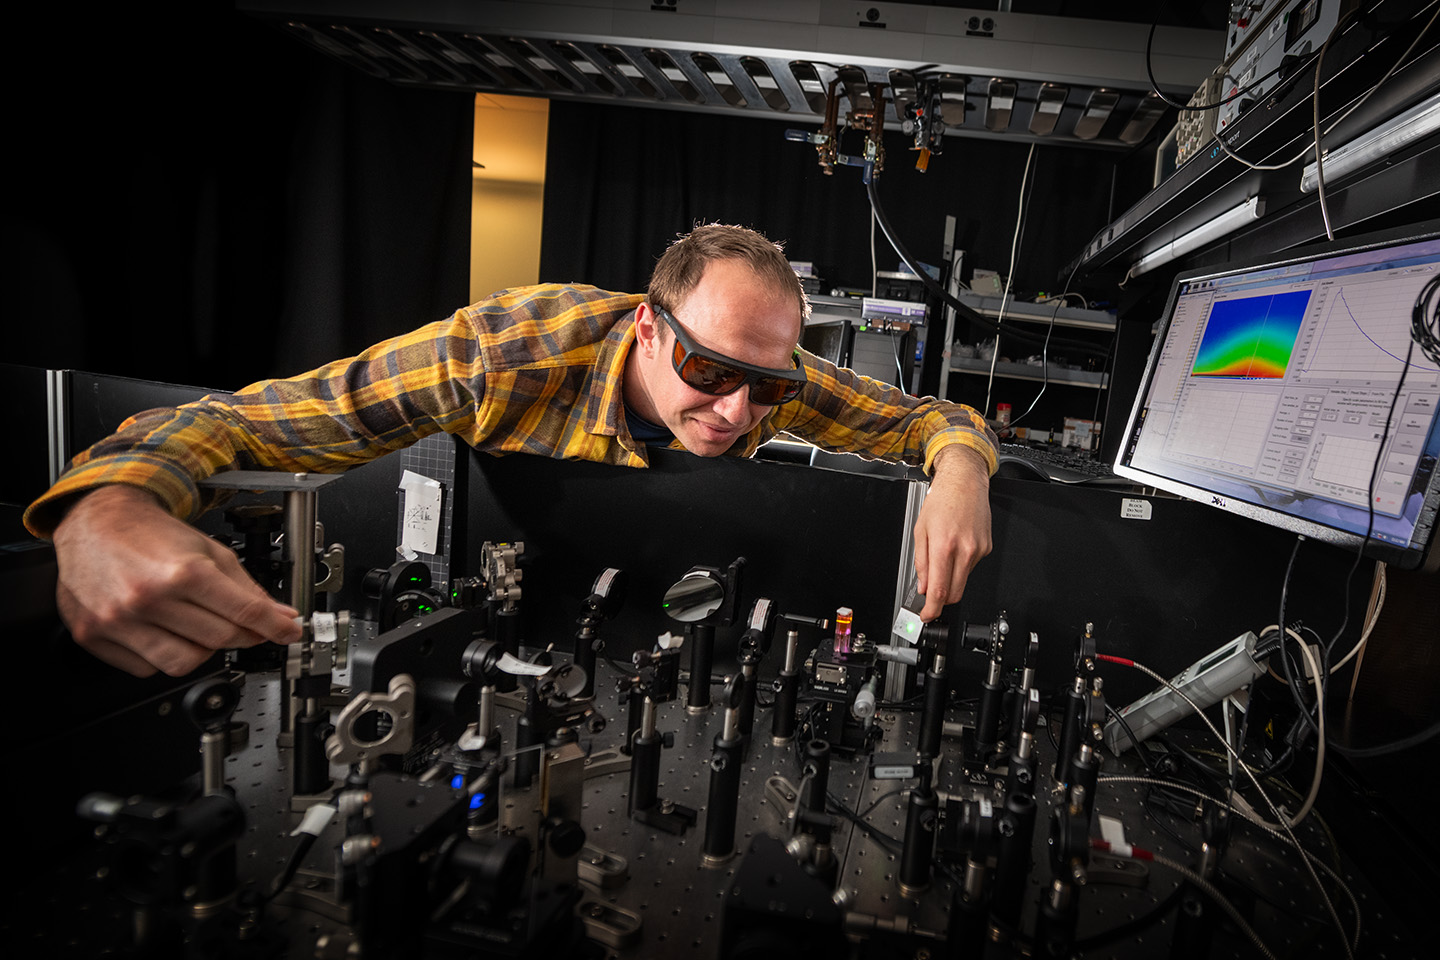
[1132,509]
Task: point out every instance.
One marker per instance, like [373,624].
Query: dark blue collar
[643,431]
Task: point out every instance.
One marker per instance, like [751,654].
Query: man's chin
[705,443]
[707,449]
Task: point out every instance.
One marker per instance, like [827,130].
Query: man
[707,361]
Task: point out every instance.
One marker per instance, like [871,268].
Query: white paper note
[420,530]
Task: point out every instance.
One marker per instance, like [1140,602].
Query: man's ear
[647,330]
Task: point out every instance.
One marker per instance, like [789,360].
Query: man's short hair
[681,265]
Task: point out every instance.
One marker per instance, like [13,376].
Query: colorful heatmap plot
[1251,337]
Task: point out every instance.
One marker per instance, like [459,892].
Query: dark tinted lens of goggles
[714,376]
[770,391]
[710,376]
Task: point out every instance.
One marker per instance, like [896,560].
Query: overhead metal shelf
[1008,75]
[1403,184]
[1011,370]
[1037,312]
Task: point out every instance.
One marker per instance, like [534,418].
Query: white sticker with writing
[893,773]
[324,626]
[1132,509]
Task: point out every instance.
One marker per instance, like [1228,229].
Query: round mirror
[696,596]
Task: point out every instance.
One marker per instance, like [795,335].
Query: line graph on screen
[1364,332]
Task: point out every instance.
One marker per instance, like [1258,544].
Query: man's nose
[734,406]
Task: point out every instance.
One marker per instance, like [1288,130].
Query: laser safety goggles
[717,375]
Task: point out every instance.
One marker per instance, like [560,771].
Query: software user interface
[1274,386]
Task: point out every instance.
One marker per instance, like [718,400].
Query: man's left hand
[953,531]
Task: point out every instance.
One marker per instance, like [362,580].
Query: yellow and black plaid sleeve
[340,415]
[355,410]
[841,410]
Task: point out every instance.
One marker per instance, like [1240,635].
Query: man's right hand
[144,591]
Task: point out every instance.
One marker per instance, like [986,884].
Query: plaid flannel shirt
[533,370]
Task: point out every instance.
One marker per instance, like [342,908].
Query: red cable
[1135,853]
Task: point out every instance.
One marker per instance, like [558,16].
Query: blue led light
[457,782]
[476,801]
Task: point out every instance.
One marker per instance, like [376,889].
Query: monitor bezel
[1407,557]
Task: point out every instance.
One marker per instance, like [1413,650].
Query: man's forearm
[958,458]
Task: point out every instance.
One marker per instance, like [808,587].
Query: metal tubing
[730,729]
[312,769]
[792,648]
[507,634]
[644,773]
[782,716]
[816,783]
[745,714]
[300,549]
[486,720]
[1055,925]
[645,763]
[585,659]
[919,850]
[218,819]
[213,746]
[1070,729]
[726,765]
[632,720]
[1022,694]
[702,658]
[300,554]
[1012,867]
[1021,777]
[932,714]
[965,936]
[647,719]
[987,722]
[527,762]
[1084,773]
[783,720]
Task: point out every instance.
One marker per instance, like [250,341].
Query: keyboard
[1061,464]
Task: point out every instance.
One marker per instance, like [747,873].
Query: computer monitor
[1269,389]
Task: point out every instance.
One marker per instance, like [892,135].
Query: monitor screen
[1269,389]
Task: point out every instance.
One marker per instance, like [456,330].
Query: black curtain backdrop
[210,202]
[622,182]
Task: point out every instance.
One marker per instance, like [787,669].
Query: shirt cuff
[162,479]
[959,436]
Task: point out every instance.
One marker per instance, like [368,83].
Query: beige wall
[508,194]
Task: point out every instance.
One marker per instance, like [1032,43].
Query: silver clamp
[348,746]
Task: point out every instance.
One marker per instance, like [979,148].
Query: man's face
[731,312]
